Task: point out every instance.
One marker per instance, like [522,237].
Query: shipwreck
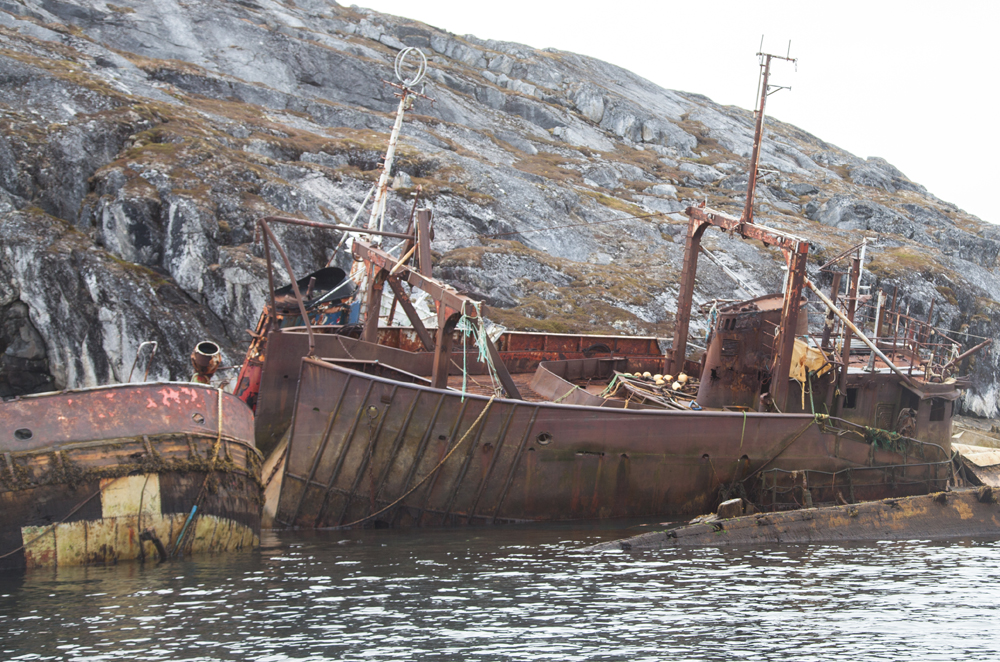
[142,471]
[373,425]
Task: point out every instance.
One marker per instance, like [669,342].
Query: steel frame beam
[796,251]
[452,306]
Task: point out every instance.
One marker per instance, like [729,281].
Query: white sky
[913,82]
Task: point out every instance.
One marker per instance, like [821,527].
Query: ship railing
[782,489]
[885,439]
[914,343]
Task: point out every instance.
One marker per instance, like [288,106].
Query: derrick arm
[451,305]
[796,251]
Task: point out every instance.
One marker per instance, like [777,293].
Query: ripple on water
[515,593]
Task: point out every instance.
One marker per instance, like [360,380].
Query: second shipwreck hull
[364,449]
[126,472]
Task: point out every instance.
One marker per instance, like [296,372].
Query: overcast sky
[913,82]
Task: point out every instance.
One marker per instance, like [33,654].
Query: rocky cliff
[139,142]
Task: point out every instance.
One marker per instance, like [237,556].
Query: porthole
[23,434]
[544,438]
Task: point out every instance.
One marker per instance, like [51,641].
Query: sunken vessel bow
[134,471]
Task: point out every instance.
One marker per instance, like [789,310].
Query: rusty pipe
[206,360]
[839,257]
[149,359]
[856,331]
[269,234]
[340,228]
[965,354]
[399,264]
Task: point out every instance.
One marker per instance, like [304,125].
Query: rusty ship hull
[384,428]
[368,450]
[114,473]
[962,513]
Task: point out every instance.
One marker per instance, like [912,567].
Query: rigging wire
[576,225]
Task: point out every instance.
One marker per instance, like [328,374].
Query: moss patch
[895,262]
[594,301]
[550,166]
[614,203]
[714,151]
[948,294]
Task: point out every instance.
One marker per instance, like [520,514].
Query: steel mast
[765,91]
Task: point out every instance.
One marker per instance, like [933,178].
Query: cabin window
[937,409]
[851,399]
[910,400]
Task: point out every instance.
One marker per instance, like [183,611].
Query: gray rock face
[499,279]
[853,214]
[879,173]
[663,189]
[141,141]
[803,189]
[23,364]
[603,176]
[91,308]
[700,174]
[923,225]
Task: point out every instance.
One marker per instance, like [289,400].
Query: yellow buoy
[682,378]
[676,386]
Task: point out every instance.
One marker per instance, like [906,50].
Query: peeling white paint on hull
[131,505]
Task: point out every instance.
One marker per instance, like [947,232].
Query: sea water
[515,593]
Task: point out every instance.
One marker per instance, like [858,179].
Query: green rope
[480,341]
[566,394]
[886,440]
[744,428]
[611,388]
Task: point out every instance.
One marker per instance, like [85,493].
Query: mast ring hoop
[421,66]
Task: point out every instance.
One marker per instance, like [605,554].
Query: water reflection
[514,593]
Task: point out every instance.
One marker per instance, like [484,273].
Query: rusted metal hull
[359,443]
[520,352]
[958,514]
[110,474]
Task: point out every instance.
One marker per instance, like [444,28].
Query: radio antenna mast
[406,94]
[765,90]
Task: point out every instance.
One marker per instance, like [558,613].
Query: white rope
[354,220]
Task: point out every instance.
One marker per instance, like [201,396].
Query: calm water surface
[515,593]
